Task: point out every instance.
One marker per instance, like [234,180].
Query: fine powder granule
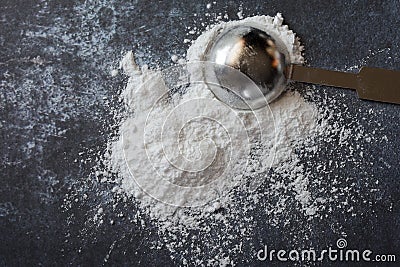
[194,165]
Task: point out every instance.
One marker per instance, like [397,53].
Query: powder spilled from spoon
[169,137]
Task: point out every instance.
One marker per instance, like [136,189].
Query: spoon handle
[370,83]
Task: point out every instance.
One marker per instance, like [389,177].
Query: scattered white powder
[240,13]
[316,177]
[194,149]
[174,58]
[195,165]
[114,73]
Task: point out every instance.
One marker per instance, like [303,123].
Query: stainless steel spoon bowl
[254,53]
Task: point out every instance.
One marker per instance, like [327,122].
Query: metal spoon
[256,54]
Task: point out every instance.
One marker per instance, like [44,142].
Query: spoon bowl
[254,53]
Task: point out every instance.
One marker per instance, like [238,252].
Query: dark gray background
[55,115]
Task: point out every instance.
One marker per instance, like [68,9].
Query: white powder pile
[202,171]
[193,149]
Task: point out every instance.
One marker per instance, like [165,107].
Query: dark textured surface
[56,94]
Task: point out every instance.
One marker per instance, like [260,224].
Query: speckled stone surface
[56,92]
